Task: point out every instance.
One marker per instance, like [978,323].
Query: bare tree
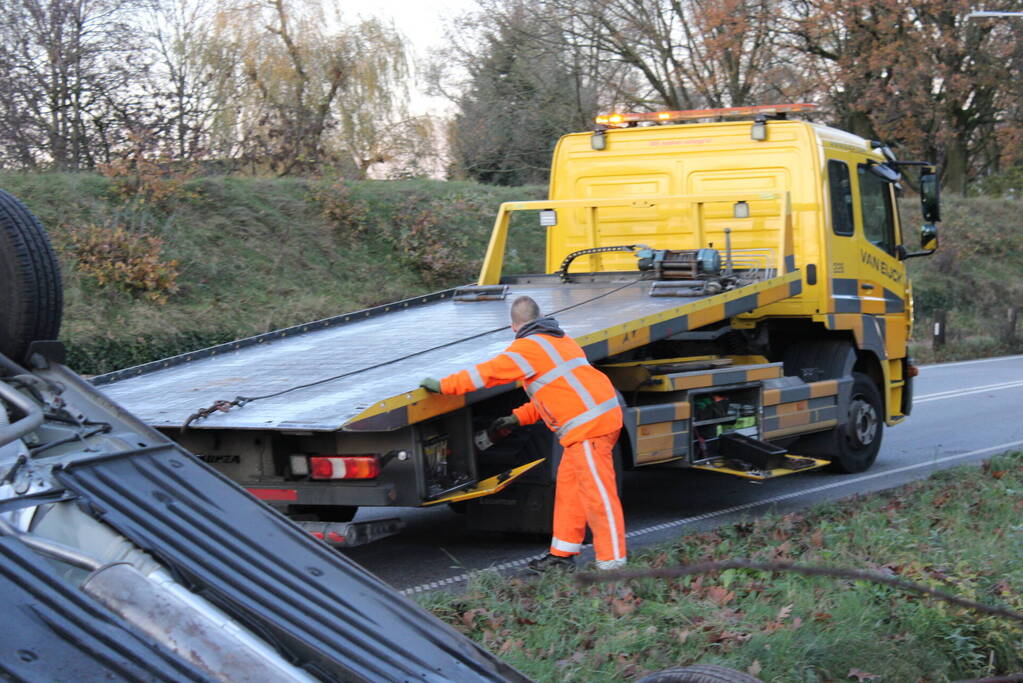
[68,69]
[185,78]
[294,83]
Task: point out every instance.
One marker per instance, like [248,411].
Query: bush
[116,256]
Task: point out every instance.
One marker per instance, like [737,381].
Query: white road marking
[938,366]
[745,506]
[966,391]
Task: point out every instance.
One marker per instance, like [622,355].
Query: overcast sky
[422,23]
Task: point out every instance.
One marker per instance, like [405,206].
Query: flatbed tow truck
[738,274]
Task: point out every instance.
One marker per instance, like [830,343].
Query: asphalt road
[963,413]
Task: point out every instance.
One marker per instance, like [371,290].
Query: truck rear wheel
[30,279]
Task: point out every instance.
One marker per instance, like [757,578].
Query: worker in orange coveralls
[577,402]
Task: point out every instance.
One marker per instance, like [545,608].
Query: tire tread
[36,295]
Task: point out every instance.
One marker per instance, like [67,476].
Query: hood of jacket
[544,325]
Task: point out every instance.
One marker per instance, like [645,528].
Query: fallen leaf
[622,608]
[576,658]
[720,596]
[754,669]
[861,675]
[797,622]
[817,539]
[784,613]
[510,644]
[682,635]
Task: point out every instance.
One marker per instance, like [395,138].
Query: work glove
[431,384]
[506,422]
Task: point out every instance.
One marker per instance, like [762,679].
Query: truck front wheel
[859,439]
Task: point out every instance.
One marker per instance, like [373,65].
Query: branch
[835,572]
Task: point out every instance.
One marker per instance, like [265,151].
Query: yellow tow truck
[738,273]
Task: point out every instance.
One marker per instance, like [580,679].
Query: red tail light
[344,467]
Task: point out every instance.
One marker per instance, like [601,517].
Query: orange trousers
[586,493]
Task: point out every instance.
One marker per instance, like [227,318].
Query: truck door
[882,284]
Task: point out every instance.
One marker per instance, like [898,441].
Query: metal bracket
[481,293]
[685,288]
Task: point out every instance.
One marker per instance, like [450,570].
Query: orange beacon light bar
[695,114]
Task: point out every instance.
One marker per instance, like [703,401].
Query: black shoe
[549,562]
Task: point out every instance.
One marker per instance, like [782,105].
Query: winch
[680,264]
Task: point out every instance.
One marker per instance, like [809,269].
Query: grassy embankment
[976,274]
[241,256]
[958,532]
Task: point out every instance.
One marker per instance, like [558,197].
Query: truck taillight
[344,467]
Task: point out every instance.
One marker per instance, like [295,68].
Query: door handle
[866,285]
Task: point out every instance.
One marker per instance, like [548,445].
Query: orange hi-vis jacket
[573,398]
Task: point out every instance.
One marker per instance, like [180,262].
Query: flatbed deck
[361,371]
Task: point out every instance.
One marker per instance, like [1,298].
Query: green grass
[958,532]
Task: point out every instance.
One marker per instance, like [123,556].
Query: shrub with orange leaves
[146,175]
[117,256]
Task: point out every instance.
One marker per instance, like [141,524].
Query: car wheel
[29,278]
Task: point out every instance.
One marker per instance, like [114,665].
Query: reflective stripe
[610,564]
[583,418]
[556,372]
[585,395]
[565,546]
[477,379]
[519,360]
[562,368]
[549,348]
[612,525]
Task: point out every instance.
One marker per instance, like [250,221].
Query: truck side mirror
[929,237]
[930,202]
[928,243]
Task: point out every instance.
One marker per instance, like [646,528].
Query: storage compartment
[722,411]
[446,449]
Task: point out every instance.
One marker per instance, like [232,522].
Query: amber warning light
[695,114]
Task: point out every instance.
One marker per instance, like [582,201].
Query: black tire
[30,279]
[699,673]
[322,513]
[859,440]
